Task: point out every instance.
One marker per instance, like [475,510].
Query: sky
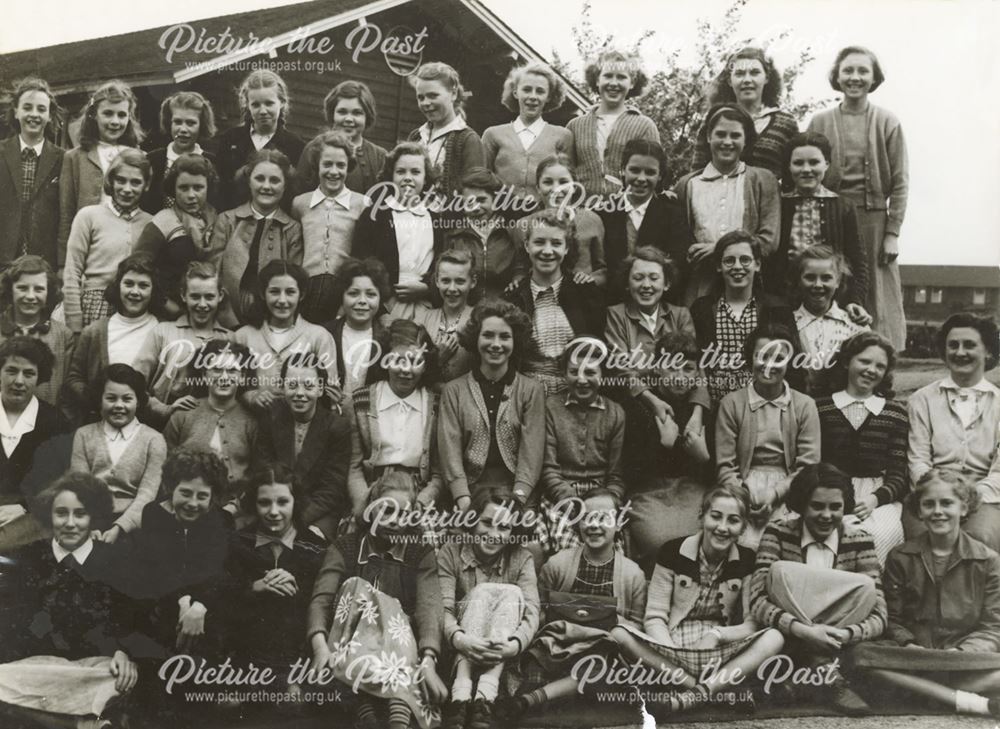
[939,57]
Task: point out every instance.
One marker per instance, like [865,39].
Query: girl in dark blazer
[663,221]
[317,460]
[573,310]
[264,102]
[30,223]
[401,232]
[187,118]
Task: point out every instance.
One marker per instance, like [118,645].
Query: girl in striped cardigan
[599,136]
[865,435]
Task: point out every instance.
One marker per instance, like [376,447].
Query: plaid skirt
[695,660]
[94,306]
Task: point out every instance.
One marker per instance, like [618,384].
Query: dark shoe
[453,715]
[480,715]
[510,710]
[994,707]
[844,701]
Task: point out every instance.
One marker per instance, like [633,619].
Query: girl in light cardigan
[869,169]
[599,136]
[514,150]
[491,426]
[119,449]
[766,432]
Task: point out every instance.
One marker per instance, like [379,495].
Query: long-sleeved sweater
[98,241]
[134,480]
[515,165]
[592,168]
[856,553]
[582,443]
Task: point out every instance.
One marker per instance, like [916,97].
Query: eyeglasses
[731,261]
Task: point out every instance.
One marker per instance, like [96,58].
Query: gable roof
[141,58]
[980,277]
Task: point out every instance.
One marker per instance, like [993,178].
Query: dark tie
[29,166]
[248,283]
[69,563]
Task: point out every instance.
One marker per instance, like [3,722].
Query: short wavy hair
[373,269]
[121,374]
[987,331]
[817,253]
[192,101]
[192,164]
[650,254]
[519,323]
[337,140]
[407,333]
[851,348]
[877,75]
[127,158]
[91,491]
[965,490]
[30,265]
[209,353]
[673,343]
[113,91]
[351,89]
[646,148]
[447,76]
[187,464]
[258,313]
[772,331]
[557,89]
[815,476]
[740,496]
[415,149]
[722,90]
[137,263]
[34,350]
[631,62]
[275,157]
[553,218]
[730,112]
[805,139]
[27,85]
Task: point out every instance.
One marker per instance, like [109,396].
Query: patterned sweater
[856,553]
[877,448]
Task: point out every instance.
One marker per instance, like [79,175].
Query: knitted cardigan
[676,583]
[366,444]
[304,337]
[838,225]
[767,152]
[58,338]
[736,437]
[137,471]
[463,151]
[464,432]
[237,434]
[591,168]
[89,357]
[515,165]
[887,177]
[877,448]
[855,553]
[559,573]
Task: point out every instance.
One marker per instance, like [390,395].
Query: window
[920,295]
[979,297]
[936,295]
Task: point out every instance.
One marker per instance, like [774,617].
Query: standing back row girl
[29,193]
[453,147]
[514,150]
[264,103]
[110,125]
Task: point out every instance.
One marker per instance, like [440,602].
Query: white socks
[970,703]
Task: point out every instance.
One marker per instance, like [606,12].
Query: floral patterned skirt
[374,649]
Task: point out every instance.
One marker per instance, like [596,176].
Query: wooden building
[313,45]
[932,293]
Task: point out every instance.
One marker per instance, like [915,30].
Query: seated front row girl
[376,604]
[698,607]
[767,431]
[942,574]
[490,600]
